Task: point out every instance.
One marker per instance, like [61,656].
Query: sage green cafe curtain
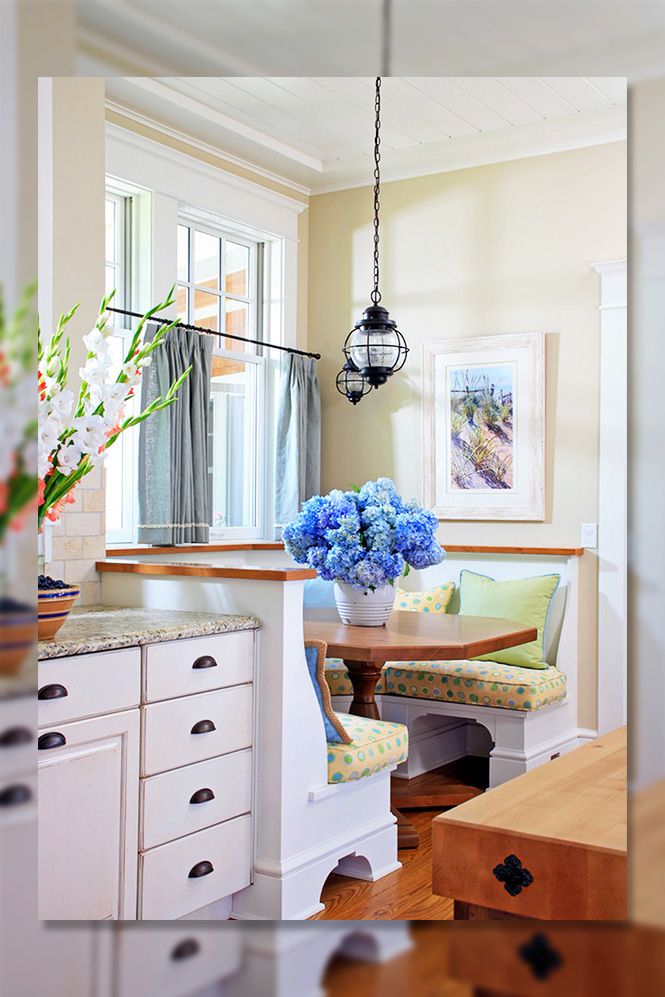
[298,444]
[174,498]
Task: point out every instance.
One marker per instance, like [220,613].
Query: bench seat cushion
[478,683]
[375,745]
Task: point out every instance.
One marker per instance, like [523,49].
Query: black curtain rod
[211,332]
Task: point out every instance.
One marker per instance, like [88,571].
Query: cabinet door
[88,819]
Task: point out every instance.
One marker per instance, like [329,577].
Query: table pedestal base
[447,786]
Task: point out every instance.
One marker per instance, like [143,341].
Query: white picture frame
[484,427]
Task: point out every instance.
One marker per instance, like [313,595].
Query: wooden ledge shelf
[185,570]
[191,548]
[222,547]
[536,551]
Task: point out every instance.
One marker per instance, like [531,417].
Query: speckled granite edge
[107,629]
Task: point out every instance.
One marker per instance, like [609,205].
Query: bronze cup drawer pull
[202,796]
[53,691]
[54,739]
[201,869]
[203,727]
[185,949]
[205,661]
[14,737]
[16,793]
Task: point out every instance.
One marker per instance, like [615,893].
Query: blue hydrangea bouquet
[363,540]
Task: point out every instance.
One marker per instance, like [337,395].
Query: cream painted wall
[495,249]
[71,269]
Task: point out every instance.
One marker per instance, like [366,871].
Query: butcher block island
[550,844]
[145,764]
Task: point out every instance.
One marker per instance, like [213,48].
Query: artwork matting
[484,427]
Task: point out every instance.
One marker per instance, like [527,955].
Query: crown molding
[211,150]
[197,107]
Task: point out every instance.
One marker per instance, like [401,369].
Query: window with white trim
[230,282]
[219,288]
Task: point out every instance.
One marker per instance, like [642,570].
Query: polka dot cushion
[375,745]
[429,601]
[478,683]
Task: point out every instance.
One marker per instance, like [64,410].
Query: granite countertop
[101,628]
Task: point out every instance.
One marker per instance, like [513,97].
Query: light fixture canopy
[351,383]
[375,348]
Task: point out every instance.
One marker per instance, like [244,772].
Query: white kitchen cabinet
[88,830]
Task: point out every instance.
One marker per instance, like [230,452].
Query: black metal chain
[376,294]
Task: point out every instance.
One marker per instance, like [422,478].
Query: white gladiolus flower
[89,433]
[47,434]
[69,458]
[96,370]
[95,342]
[62,404]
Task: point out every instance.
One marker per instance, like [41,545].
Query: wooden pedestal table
[410,637]
[549,844]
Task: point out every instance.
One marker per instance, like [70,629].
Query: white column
[612,496]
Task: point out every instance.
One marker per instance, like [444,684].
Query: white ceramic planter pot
[362,607]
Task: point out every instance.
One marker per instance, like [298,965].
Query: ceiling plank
[496,96]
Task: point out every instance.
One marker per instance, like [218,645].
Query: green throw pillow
[525,600]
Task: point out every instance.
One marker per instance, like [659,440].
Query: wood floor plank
[405,894]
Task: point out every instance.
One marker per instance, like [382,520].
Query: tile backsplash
[78,539]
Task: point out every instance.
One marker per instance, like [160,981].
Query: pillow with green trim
[428,601]
[525,600]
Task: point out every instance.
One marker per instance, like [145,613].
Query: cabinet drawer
[171,961]
[87,685]
[197,796]
[182,667]
[170,738]
[222,853]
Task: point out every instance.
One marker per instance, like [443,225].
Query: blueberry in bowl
[55,599]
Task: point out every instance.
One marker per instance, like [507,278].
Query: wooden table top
[580,799]
[417,636]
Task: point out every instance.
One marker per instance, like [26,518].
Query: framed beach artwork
[484,415]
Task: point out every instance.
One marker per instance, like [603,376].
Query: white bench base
[358,838]
[515,740]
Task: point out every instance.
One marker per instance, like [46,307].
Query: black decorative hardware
[511,873]
[351,383]
[200,869]
[13,737]
[54,739]
[205,661]
[214,332]
[375,348]
[203,727]
[53,691]
[185,949]
[540,956]
[15,794]
[202,796]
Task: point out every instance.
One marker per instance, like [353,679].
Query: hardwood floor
[404,895]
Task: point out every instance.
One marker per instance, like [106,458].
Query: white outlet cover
[589,535]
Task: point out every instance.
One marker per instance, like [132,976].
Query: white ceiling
[316,132]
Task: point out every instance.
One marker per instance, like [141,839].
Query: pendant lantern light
[351,383]
[375,348]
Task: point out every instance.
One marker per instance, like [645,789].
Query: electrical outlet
[589,536]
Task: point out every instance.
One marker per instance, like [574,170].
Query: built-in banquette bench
[521,716]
